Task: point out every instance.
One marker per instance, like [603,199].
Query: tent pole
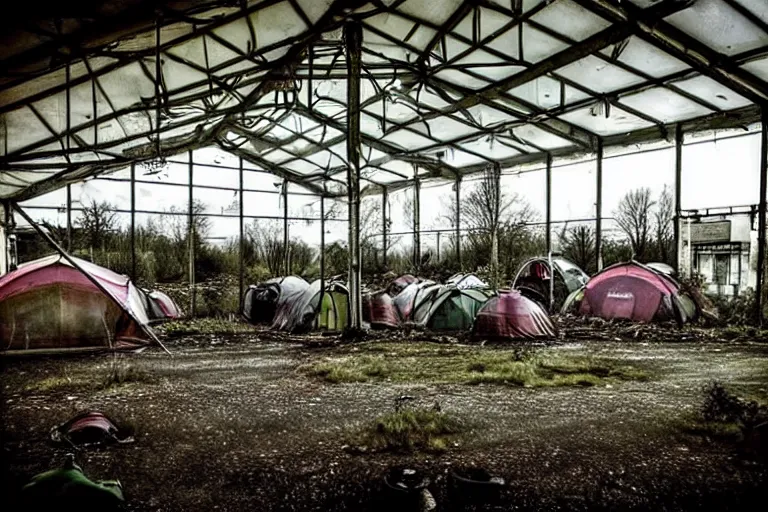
[133,221]
[438,246]
[761,218]
[416,221]
[191,240]
[678,190]
[6,238]
[96,283]
[241,255]
[384,224]
[599,207]
[353,38]
[458,221]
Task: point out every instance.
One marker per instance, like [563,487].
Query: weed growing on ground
[121,374]
[205,326]
[412,429]
[726,417]
[436,363]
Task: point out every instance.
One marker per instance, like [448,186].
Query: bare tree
[578,245]
[97,221]
[664,217]
[634,218]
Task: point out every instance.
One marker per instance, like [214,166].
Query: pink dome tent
[636,292]
[510,315]
[49,305]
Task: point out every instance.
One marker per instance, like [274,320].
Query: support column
[416,222]
[384,224]
[286,237]
[69,218]
[549,204]
[458,221]
[191,241]
[438,247]
[495,225]
[241,255]
[322,248]
[599,208]
[678,193]
[5,238]
[133,222]
[353,39]
[761,210]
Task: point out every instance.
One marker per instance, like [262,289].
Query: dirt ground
[231,423]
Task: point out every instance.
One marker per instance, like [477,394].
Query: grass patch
[205,326]
[695,424]
[55,383]
[122,374]
[435,363]
[352,369]
[410,430]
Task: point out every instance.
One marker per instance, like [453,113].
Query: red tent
[510,315]
[635,292]
[379,310]
[398,284]
[49,305]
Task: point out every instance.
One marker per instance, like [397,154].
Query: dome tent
[533,279]
[49,305]
[262,301]
[304,312]
[451,308]
[379,310]
[636,292]
[412,296]
[511,315]
[159,306]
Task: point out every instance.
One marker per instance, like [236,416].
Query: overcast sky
[718,172]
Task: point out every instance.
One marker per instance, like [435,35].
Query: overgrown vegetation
[122,373]
[206,326]
[436,363]
[411,429]
[727,417]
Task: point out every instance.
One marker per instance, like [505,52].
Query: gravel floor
[228,423]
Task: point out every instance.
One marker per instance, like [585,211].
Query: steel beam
[241,252]
[678,191]
[549,203]
[353,39]
[384,224]
[286,234]
[761,211]
[458,220]
[133,222]
[648,25]
[416,221]
[599,207]
[191,239]
[69,218]
[322,250]
[495,227]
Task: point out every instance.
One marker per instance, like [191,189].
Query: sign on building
[707,232]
